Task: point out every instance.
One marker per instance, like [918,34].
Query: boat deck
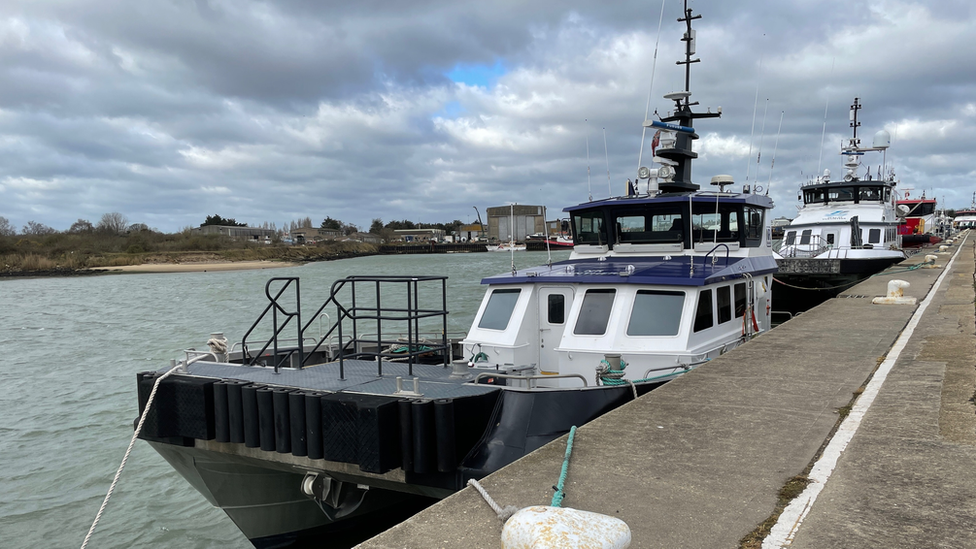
[701,461]
[360,377]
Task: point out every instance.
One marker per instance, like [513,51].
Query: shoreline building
[515,222]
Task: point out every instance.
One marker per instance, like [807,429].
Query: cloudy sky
[170,110]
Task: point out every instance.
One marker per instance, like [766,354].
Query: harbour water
[71,348]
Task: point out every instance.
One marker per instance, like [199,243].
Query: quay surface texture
[699,462]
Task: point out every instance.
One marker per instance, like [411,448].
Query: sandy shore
[197,267]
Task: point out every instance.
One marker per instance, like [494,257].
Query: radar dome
[882,140]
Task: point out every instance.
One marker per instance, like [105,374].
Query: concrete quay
[700,462]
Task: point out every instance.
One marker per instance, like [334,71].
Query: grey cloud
[272,111]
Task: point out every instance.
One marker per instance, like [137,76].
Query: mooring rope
[557,498]
[135,435]
[849,284]
[503,513]
[609,376]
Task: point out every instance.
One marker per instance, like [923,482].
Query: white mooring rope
[135,435]
[503,514]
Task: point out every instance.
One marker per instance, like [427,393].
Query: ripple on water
[72,348]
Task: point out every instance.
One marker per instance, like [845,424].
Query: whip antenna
[823,132]
[775,146]
[762,134]
[607,152]
[647,109]
[589,190]
[755,109]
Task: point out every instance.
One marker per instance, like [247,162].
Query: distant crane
[480,224]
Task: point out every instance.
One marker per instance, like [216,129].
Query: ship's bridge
[670,223]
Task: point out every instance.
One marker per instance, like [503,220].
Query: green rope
[478,358]
[612,381]
[904,269]
[407,348]
[615,377]
[557,498]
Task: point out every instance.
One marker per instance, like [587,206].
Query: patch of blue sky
[451,109]
[477,74]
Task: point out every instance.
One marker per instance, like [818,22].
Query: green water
[71,348]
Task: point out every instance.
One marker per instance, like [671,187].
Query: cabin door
[554,304]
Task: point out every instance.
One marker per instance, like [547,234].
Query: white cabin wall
[515,344]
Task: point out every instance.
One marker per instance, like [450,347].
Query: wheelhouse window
[739,292]
[805,237]
[874,236]
[663,224]
[830,238]
[869,194]
[703,313]
[499,310]
[813,196]
[840,194]
[715,222]
[590,228]
[723,297]
[595,312]
[790,238]
[754,225]
[556,308]
[656,313]
[921,208]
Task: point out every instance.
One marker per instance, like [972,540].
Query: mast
[680,122]
[855,142]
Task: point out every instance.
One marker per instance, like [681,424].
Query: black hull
[408,453]
[919,240]
[796,292]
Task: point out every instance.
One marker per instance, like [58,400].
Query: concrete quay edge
[699,462]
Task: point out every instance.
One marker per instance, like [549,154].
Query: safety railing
[378,343]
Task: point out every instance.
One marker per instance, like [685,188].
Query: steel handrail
[485,375]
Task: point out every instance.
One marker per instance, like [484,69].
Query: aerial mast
[680,122]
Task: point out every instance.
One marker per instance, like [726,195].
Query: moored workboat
[304,437]
[921,221]
[965,219]
[845,231]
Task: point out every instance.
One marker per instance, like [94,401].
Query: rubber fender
[266,419]
[296,420]
[235,410]
[221,418]
[249,402]
[282,420]
[313,424]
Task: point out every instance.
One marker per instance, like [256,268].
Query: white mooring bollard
[896,294]
[544,527]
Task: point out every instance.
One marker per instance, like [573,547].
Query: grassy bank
[65,253]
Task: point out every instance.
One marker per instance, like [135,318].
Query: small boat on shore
[506,247]
[301,434]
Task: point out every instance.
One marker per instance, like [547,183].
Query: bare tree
[6,229]
[113,223]
[35,228]
[81,226]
